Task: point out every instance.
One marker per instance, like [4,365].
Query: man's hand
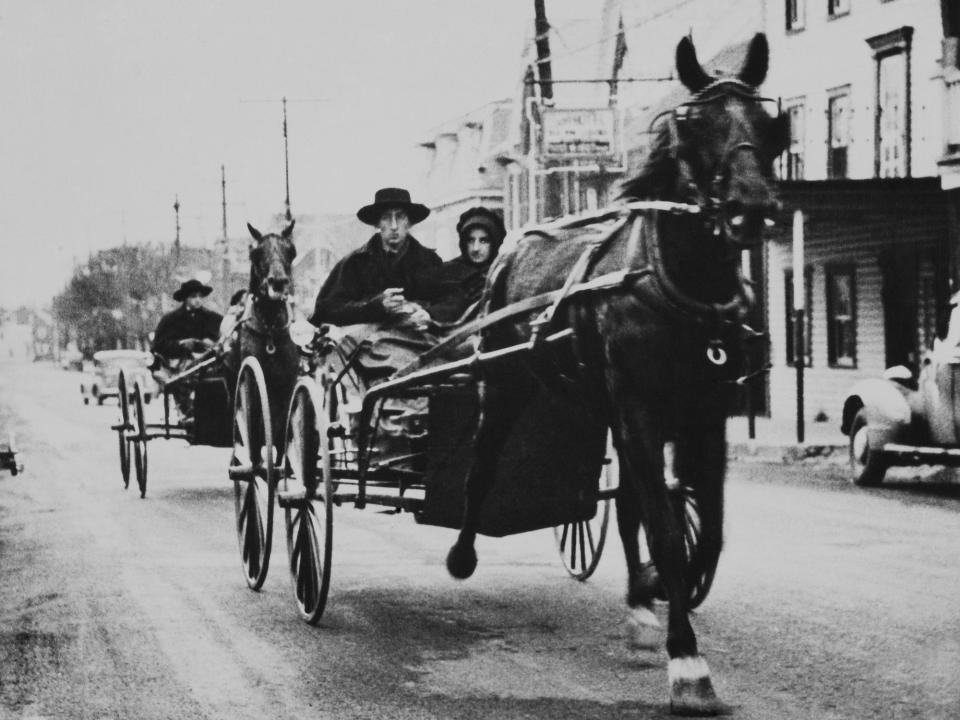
[415,316]
[392,302]
[196,345]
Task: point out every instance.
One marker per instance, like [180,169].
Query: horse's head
[271,259]
[717,149]
[726,143]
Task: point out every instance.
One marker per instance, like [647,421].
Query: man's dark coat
[347,295]
[181,324]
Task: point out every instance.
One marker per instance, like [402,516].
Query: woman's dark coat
[450,289]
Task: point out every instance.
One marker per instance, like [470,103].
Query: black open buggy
[554,472]
[211,423]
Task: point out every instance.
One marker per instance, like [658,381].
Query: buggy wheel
[252,470]
[698,583]
[140,440]
[867,466]
[122,441]
[581,543]
[309,522]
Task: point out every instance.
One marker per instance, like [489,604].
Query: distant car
[107,364]
[907,419]
[71,360]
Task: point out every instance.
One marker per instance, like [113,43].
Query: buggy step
[293,499]
[246,473]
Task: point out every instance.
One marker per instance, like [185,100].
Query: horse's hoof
[644,631]
[461,562]
[691,691]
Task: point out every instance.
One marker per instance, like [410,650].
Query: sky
[112,109]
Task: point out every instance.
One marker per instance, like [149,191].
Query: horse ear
[755,67]
[691,73]
[288,231]
[254,232]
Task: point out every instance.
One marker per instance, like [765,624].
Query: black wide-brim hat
[387,198]
[189,287]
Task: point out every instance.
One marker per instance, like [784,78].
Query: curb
[786,453]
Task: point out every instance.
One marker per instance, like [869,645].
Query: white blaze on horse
[655,354]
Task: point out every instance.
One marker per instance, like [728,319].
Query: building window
[837,7]
[796,14]
[791,163]
[891,52]
[841,317]
[838,132]
[807,318]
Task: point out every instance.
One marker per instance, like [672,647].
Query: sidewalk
[776,441]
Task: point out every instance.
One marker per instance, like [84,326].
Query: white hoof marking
[643,630]
[687,669]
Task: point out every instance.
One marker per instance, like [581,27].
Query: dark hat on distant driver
[388,198]
[190,287]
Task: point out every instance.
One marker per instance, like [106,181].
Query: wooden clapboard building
[863,83]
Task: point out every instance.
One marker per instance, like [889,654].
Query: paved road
[831,602]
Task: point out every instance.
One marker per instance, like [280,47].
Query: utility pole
[176,242]
[542,34]
[286,148]
[225,280]
[286,159]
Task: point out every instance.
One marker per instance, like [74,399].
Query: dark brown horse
[654,353]
[264,328]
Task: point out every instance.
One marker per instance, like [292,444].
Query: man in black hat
[182,334]
[191,327]
[376,282]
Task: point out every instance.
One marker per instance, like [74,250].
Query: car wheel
[86,401]
[867,464]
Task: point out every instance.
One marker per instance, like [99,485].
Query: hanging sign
[578,133]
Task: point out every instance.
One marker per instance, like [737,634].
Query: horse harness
[577,283]
[253,322]
[663,294]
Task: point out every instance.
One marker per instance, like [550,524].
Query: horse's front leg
[499,411]
[644,631]
[691,689]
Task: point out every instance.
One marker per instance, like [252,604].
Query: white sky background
[110,108]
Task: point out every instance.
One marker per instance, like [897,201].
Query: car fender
[886,407]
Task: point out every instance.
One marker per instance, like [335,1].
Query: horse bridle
[711,204]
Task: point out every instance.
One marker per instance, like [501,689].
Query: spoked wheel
[252,470]
[309,522]
[698,583]
[581,544]
[139,442]
[688,509]
[123,429]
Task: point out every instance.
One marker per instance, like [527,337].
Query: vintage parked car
[107,364]
[905,419]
